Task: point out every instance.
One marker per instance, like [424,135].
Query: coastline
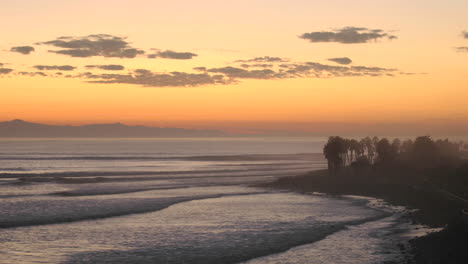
[425,206]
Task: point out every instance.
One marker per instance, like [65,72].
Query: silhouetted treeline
[422,152]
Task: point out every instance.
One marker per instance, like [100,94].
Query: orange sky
[430,82]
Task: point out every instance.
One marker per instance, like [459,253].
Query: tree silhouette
[369,146]
[354,149]
[367,153]
[333,151]
[386,152]
[407,146]
[448,149]
[359,149]
[396,145]
[424,151]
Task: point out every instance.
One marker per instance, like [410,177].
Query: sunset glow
[421,75]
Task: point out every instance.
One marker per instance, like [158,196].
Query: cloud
[110,67]
[348,35]
[256,65]
[260,68]
[343,60]
[148,78]
[55,67]
[22,49]
[263,59]
[94,45]
[169,54]
[233,72]
[303,70]
[318,70]
[231,75]
[5,70]
[32,74]
[465,34]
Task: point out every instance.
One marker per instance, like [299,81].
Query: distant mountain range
[20,128]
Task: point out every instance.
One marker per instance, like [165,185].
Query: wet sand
[432,207]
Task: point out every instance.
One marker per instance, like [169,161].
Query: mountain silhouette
[21,128]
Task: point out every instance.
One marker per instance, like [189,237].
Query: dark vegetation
[424,174]
[440,164]
[421,152]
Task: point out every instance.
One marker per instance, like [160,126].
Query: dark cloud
[461,49]
[94,45]
[110,67]
[148,78]
[32,74]
[348,35]
[262,68]
[142,71]
[303,70]
[5,70]
[465,34]
[169,54]
[22,49]
[55,67]
[233,72]
[1,64]
[230,75]
[263,59]
[343,60]
[256,65]
[318,70]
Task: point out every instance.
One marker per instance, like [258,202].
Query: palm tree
[424,151]
[353,147]
[407,146]
[359,149]
[333,152]
[396,145]
[369,146]
[346,151]
[386,152]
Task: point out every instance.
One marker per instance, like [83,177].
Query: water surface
[175,201]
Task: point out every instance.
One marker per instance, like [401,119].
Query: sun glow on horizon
[220,66]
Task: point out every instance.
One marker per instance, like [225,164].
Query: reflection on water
[171,201]
[217,230]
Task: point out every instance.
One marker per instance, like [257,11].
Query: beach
[424,205]
[181,201]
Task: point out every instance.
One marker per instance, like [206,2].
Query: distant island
[22,129]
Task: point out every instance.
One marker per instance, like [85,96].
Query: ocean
[185,200]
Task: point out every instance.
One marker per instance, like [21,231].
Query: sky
[296,66]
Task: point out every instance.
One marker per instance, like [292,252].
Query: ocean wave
[94,192]
[84,158]
[239,248]
[179,184]
[137,173]
[68,212]
[252,157]
[14,169]
[7,196]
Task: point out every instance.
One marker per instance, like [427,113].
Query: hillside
[20,128]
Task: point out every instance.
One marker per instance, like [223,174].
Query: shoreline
[424,206]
